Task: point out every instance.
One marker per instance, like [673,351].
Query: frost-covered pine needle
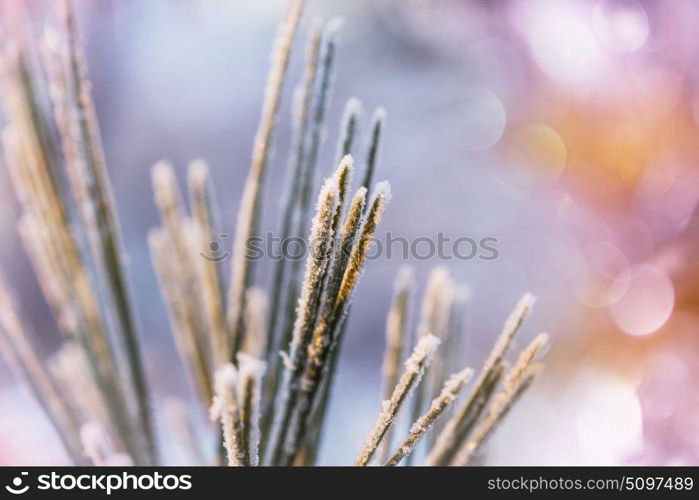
[98,210]
[250,374]
[329,323]
[303,101]
[284,290]
[415,367]
[460,425]
[316,135]
[86,380]
[203,202]
[452,388]
[331,282]
[226,410]
[348,234]
[170,205]
[517,378]
[247,226]
[379,201]
[396,335]
[256,321]
[17,347]
[178,304]
[48,236]
[378,123]
[348,128]
[434,318]
[316,131]
[319,253]
[343,174]
[182,235]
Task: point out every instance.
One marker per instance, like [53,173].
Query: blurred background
[566,129]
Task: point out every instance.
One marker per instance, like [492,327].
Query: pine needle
[372,150]
[329,322]
[48,237]
[434,318]
[226,410]
[249,388]
[461,424]
[415,367]
[292,196]
[307,134]
[517,379]
[94,197]
[256,320]
[183,324]
[396,336]
[247,226]
[316,266]
[348,128]
[17,346]
[315,138]
[209,276]
[450,391]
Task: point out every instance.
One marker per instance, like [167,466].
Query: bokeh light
[648,302]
